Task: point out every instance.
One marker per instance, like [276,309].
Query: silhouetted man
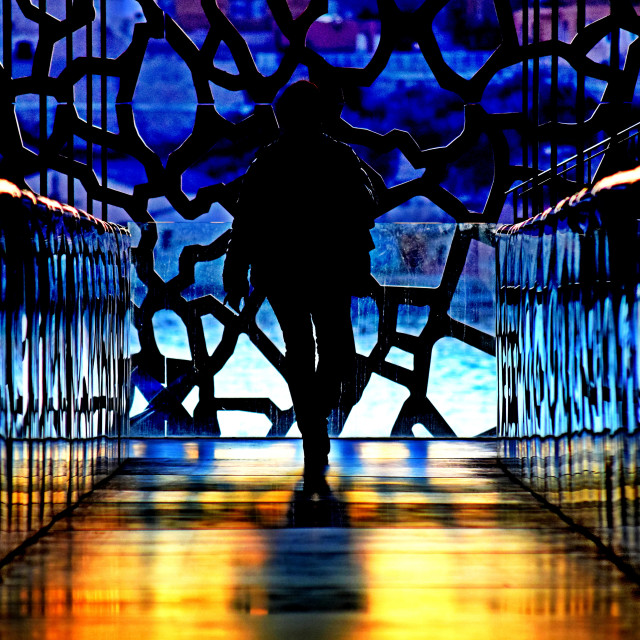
[305,209]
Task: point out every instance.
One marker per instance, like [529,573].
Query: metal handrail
[583,160]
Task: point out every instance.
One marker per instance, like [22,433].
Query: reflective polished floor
[224,539]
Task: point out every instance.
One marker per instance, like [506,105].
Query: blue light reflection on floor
[206,450]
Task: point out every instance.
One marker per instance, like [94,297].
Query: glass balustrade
[567,353]
[424,338]
[64,367]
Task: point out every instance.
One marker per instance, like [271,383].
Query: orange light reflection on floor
[190,556]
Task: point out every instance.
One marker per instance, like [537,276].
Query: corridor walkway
[220,539]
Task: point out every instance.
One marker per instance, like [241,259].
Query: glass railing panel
[567,352]
[424,338]
[65,303]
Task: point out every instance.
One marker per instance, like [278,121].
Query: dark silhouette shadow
[312,565]
[302,225]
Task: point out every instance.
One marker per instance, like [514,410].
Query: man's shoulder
[267,150]
[316,148]
[265,161]
[338,154]
[338,145]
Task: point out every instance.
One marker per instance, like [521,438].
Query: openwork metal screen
[460,99]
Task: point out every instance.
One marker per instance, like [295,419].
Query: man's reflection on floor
[311,564]
[325,572]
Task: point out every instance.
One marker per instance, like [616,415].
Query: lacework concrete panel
[83,86]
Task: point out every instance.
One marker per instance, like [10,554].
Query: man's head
[300,107]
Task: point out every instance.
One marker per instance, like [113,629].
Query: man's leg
[336,369]
[294,317]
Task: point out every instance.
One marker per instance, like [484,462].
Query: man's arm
[238,259]
[236,269]
[360,188]
[378,188]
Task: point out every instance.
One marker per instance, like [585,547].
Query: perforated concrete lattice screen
[155,110]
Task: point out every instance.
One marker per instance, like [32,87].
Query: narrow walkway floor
[221,539]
